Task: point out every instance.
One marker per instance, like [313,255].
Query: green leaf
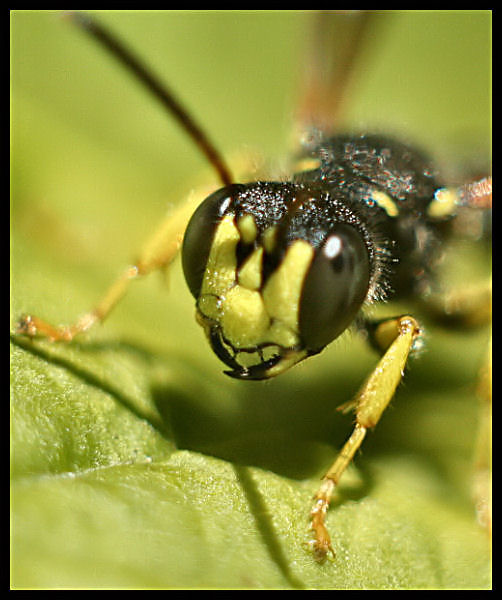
[135,462]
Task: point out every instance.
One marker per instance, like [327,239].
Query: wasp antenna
[155,86]
[477,194]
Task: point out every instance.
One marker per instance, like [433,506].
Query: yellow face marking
[247,228]
[385,201]
[268,239]
[222,261]
[251,271]
[249,316]
[444,203]
[281,334]
[244,319]
[220,269]
[208,306]
[283,289]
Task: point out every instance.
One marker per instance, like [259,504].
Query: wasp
[280,268]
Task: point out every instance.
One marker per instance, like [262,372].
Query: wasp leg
[482,493]
[472,307]
[369,404]
[464,307]
[159,251]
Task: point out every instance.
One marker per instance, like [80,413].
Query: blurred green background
[94,165]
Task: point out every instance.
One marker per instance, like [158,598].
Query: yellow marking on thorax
[444,203]
[384,201]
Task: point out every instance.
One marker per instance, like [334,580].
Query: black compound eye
[199,235]
[335,286]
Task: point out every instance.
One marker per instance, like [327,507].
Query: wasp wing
[338,41]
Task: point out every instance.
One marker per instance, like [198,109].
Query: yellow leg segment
[369,404]
[482,484]
[159,251]
[471,306]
